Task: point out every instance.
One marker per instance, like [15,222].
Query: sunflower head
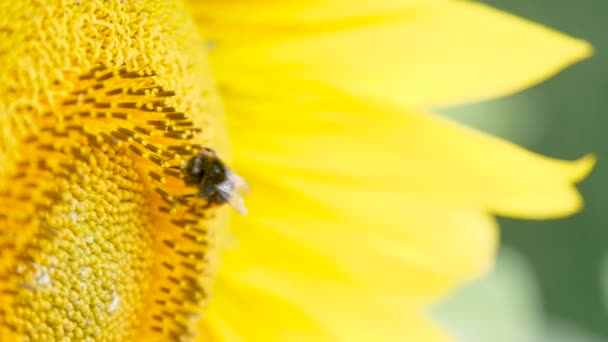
[101,104]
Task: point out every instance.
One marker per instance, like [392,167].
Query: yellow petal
[429,54]
[294,13]
[349,237]
[267,306]
[422,156]
[242,312]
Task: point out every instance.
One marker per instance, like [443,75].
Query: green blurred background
[563,264]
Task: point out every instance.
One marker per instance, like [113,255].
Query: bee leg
[208,205]
[212,200]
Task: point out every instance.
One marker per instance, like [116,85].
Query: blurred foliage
[502,307]
[505,306]
[564,117]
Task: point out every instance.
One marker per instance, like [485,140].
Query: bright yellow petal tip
[427,53]
[558,200]
[580,169]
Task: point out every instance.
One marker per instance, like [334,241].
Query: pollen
[100,104]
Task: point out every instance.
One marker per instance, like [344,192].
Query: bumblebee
[216,182]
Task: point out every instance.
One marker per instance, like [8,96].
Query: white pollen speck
[42,276]
[115,301]
[43,279]
[53,261]
[73,216]
[84,271]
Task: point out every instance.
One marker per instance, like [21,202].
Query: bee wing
[237,203]
[233,189]
[240,185]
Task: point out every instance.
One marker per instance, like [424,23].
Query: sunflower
[365,207]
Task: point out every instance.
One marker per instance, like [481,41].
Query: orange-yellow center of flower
[101,102]
[97,238]
[81,258]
